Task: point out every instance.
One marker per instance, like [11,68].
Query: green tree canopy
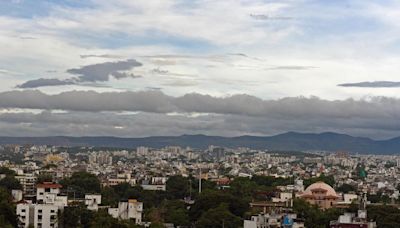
[330,180]
[6,171]
[385,216]
[10,183]
[176,213]
[212,199]
[346,188]
[8,217]
[219,217]
[177,187]
[44,178]
[81,183]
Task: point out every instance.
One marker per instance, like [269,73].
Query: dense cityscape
[199,114]
[48,186]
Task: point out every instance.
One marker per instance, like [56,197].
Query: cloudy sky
[170,67]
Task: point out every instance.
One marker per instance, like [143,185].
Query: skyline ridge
[292,141]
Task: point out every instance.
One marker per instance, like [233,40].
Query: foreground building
[132,209]
[274,220]
[38,215]
[351,220]
[43,214]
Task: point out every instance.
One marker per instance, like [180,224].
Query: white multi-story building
[28,182]
[46,188]
[92,201]
[56,200]
[25,213]
[45,216]
[38,215]
[132,209]
[45,213]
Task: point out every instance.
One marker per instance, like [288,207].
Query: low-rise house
[131,209]
[92,201]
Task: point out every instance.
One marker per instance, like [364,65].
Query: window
[40,211]
[23,210]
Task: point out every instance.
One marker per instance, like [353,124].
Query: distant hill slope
[289,141]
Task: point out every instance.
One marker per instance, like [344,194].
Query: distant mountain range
[288,141]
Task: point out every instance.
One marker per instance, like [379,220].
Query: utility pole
[190,189]
[199,179]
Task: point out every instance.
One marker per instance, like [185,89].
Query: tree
[176,212]
[103,219]
[346,188]
[109,196]
[385,216]
[212,199]
[6,171]
[243,186]
[10,183]
[8,217]
[44,178]
[330,180]
[219,217]
[81,183]
[151,199]
[177,187]
[75,216]
[272,181]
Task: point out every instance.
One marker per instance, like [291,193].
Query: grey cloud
[101,56]
[265,17]
[99,72]
[154,88]
[374,84]
[160,71]
[27,38]
[121,75]
[150,124]
[291,67]
[45,82]
[181,83]
[213,58]
[245,56]
[243,105]
[104,124]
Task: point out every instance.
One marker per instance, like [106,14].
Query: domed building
[320,194]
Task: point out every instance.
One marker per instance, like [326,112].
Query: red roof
[48,185]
